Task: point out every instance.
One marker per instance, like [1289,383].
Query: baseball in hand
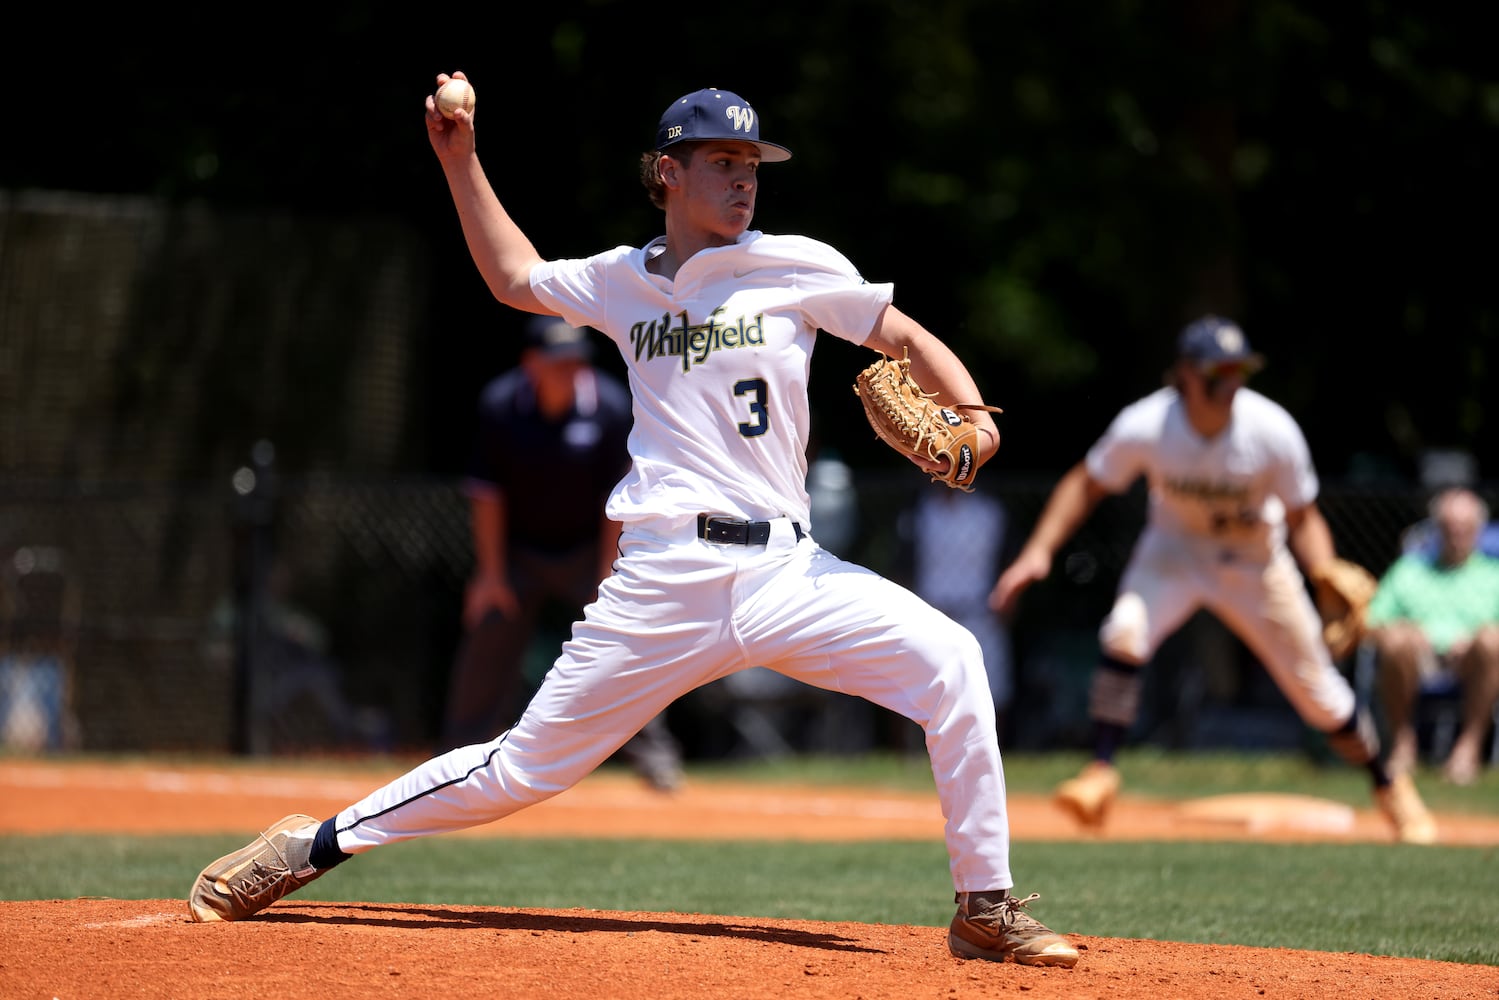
[453,95]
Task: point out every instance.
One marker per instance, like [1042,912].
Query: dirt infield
[148,948]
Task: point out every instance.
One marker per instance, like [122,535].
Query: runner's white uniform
[1215,538]
[718,360]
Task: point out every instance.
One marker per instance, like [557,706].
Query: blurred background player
[1434,622]
[1231,483]
[551,444]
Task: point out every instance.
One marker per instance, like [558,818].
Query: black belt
[727,531]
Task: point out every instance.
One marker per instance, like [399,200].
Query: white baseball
[453,95]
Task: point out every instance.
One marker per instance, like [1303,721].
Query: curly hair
[650,170]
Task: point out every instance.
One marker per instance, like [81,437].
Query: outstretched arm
[1072,501]
[501,251]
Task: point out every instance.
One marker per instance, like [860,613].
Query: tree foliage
[1054,187]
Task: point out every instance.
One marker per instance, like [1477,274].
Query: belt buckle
[711,519]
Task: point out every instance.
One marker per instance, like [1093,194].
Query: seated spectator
[1435,621]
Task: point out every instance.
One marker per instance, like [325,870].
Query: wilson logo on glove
[965,464]
[907,420]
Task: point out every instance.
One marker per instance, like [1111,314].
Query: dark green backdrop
[1055,187]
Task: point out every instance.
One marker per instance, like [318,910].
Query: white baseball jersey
[1233,489]
[718,359]
[1215,538]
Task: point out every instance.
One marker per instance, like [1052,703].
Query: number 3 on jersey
[759,422]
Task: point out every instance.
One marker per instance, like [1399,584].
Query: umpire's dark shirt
[555,475]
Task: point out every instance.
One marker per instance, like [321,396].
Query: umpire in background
[551,444]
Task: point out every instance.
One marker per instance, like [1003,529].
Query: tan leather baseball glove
[905,418]
[1343,591]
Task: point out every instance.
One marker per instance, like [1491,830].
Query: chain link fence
[123,607]
[142,609]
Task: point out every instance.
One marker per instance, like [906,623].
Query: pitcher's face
[715,189]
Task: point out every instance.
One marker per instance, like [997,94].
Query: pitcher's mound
[1258,811]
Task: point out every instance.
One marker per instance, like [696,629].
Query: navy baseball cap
[558,339]
[1213,340]
[715,114]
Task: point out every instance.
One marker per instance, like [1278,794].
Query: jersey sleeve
[1117,458]
[834,296]
[485,472]
[575,288]
[1295,476]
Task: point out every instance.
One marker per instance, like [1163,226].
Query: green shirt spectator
[1436,616]
[1448,602]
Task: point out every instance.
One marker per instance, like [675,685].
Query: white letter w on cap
[743,118]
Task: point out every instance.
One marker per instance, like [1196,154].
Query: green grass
[1432,903]
[1147,772]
